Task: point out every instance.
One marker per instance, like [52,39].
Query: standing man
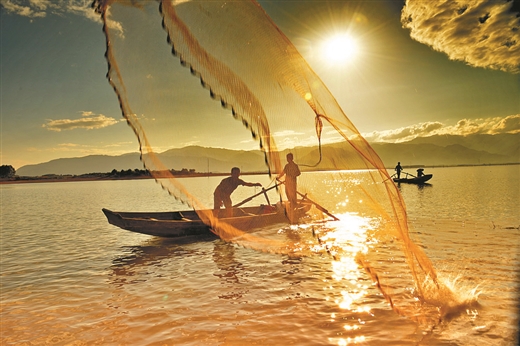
[222,194]
[291,172]
[398,169]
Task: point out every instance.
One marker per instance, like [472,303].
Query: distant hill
[503,144]
[453,150]
[213,159]
[199,158]
[427,151]
[82,165]
[434,155]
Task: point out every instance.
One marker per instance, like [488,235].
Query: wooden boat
[185,223]
[414,180]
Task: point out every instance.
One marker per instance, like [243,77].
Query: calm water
[70,278]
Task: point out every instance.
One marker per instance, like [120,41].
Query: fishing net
[263,87]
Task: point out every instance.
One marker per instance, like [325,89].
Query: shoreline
[58,179]
[63,180]
[68,179]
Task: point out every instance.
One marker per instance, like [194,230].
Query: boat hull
[188,223]
[414,180]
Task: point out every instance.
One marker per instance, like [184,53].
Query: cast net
[245,63]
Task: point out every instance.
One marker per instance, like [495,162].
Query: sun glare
[340,49]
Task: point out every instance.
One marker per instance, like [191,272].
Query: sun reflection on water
[345,241]
[349,341]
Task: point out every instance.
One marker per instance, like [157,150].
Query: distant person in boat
[420,172]
[398,170]
[291,172]
[222,194]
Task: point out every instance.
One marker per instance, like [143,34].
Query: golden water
[68,277]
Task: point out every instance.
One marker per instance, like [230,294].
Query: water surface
[68,277]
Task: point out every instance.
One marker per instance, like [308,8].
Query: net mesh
[246,63]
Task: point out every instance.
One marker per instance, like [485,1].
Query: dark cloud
[483,33]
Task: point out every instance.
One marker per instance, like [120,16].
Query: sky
[399,70]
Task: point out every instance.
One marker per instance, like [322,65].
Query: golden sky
[397,71]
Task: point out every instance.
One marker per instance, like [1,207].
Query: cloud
[88,122]
[286,133]
[482,33]
[41,8]
[464,127]
[41,4]
[509,124]
[16,7]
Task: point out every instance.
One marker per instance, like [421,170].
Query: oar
[256,195]
[266,197]
[407,174]
[390,177]
[320,208]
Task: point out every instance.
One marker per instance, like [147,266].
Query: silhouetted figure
[222,194]
[398,170]
[420,172]
[291,172]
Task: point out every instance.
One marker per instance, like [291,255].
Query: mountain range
[425,151]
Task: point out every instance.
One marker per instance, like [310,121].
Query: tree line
[8,172]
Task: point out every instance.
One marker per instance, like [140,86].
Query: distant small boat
[186,223]
[415,180]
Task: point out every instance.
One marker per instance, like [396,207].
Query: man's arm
[282,173]
[252,184]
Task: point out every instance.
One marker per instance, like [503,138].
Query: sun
[340,49]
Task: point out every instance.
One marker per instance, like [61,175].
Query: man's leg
[217,202]
[228,206]
[290,191]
